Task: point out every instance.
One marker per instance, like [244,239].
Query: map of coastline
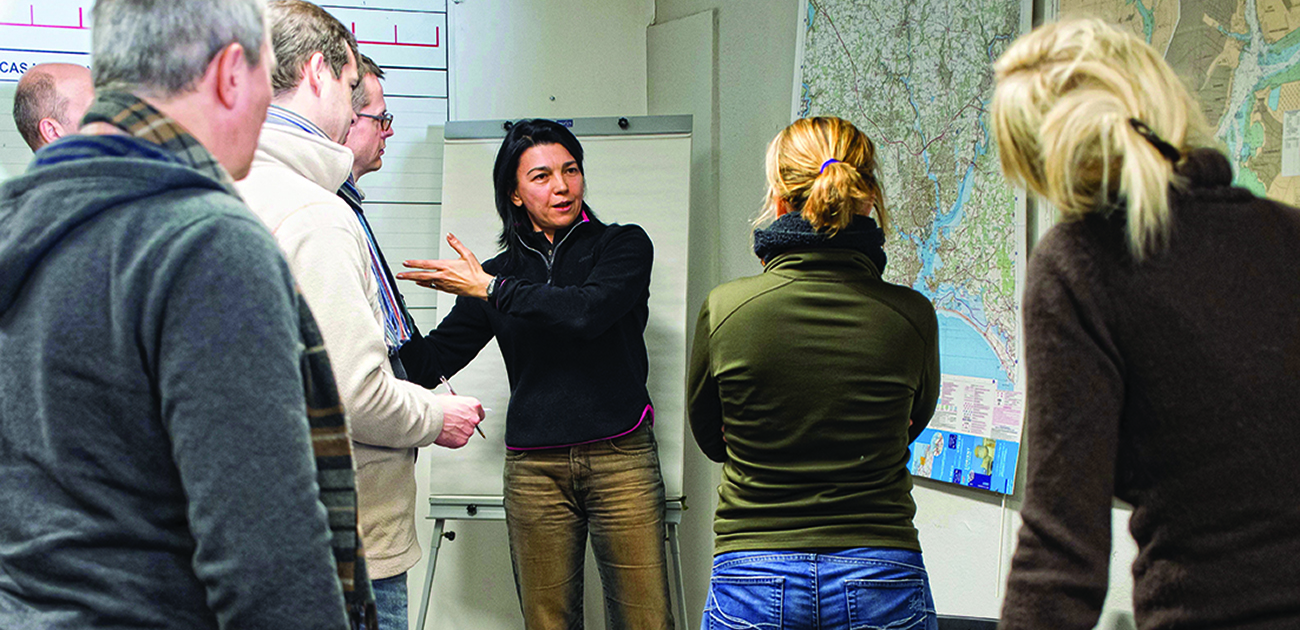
[1241,61]
[916,77]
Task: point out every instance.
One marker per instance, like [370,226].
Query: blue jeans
[857,589]
[390,602]
[611,489]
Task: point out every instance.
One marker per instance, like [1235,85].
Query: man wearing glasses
[367,137]
[370,131]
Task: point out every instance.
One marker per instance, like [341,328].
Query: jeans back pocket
[737,603]
[898,604]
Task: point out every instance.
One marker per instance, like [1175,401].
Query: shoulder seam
[911,322]
[731,311]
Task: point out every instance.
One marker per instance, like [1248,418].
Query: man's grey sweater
[154,447]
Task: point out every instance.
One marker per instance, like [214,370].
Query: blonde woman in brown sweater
[1162,346]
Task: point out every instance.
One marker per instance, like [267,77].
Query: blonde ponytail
[825,169]
[1064,110]
[834,196]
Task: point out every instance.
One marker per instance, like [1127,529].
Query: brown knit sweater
[1173,384]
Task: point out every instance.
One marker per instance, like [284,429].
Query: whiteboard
[409,39]
[636,175]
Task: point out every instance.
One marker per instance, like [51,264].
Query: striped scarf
[397,320]
[333,449]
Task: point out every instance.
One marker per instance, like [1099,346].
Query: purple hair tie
[825,164]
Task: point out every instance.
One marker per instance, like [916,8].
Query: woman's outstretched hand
[460,276]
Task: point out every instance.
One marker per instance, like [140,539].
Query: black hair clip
[1168,150]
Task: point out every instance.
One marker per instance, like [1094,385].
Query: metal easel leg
[428,575]
[676,552]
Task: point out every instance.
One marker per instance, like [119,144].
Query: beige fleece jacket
[292,187]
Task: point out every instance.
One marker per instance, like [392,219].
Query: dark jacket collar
[792,232]
[1205,168]
[537,240]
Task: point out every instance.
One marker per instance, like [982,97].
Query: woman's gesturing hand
[460,276]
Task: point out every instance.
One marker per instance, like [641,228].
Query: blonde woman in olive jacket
[808,382]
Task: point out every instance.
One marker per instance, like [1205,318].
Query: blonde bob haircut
[1067,96]
[801,173]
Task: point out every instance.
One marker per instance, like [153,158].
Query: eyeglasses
[385,121]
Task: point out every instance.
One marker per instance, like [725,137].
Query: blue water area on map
[1148,19]
[947,223]
[993,55]
[1241,37]
[964,352]
[1273,96]
[944,222]
[944,219]
[1278,55]
[965,460]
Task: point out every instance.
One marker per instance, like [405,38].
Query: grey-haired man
[158,368]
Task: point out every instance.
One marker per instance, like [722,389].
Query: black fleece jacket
[570,322]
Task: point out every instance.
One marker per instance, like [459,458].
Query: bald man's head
[50,100]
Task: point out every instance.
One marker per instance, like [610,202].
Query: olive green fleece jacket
[802,381]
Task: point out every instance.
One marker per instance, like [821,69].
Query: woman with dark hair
[567,301]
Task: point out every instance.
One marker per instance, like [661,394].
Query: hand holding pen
[447,383]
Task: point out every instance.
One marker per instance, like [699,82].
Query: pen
[453,393]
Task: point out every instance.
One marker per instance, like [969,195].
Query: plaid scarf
[139,119]
[329,432]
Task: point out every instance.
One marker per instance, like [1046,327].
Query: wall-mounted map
[1241,60]
[916,76]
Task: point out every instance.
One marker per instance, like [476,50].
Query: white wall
[14,153]
[548,58]
[682,79]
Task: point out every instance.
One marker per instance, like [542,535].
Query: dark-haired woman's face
[550,187]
